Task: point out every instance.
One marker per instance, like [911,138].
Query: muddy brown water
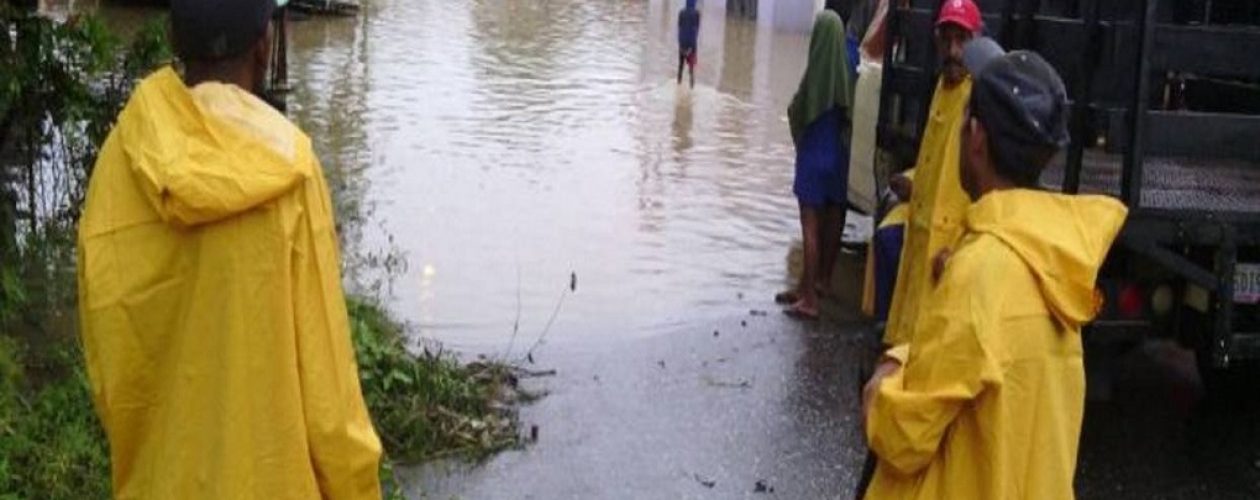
[499,147]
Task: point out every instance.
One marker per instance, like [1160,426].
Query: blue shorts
[887,245]
[822,164]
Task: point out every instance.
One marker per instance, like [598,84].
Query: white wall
[788,15]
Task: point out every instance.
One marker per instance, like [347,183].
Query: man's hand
[887,366]
[901,186]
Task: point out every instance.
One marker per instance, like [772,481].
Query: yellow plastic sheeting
[988,404]
[212,312]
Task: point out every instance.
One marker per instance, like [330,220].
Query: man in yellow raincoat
[212,312]
[938,202]
[987,402]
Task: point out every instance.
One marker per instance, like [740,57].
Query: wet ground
[699,414]
[705,411]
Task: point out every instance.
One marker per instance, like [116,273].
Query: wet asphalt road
[698,414]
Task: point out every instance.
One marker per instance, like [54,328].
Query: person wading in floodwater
[819,117]
[688,40]
[213,319]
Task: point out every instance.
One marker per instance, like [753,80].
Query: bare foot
[803,311]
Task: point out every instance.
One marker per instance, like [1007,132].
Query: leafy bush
[61,89]
[51,444]
[430,405]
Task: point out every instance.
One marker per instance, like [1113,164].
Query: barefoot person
[688,40]
[213,321]
[987,401]
[819,118]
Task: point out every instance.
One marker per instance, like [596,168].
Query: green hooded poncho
[827,83]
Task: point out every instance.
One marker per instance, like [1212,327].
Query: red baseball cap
[964,13]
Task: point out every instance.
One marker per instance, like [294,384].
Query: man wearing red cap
[937,201]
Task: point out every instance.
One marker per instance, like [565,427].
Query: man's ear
[262,50]
[979,144]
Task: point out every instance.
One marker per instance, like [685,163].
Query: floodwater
[489,152]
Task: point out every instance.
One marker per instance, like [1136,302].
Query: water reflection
[330,100]
[491,140]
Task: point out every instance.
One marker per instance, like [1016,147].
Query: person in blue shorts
[819,117]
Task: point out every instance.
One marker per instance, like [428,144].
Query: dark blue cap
[213,30]
[1022,103]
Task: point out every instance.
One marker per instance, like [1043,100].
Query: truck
[1165,116]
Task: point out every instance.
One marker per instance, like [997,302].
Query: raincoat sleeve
[344,448]
[949,365]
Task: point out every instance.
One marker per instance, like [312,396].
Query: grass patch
[429,405]
[51,443]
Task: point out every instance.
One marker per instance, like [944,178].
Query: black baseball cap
[1022,102]
[213,30]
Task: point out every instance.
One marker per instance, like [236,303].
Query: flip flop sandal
[790,297]
[801,314]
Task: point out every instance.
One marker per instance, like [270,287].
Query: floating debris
[763,487]
[707,483]
[741,384]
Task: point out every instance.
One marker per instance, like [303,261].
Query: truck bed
[1171,183]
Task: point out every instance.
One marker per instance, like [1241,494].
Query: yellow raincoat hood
[196,170]
[213,319]
[1062,238]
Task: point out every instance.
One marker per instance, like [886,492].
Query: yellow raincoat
[989,402]
[937,206]
[212,312]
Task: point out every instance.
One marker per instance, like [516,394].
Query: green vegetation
[62,87]
[429,405]
[51,445]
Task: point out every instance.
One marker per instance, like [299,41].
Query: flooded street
[510,171]
[486,153]
[499,147]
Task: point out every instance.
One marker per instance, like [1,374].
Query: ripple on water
[515,138]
